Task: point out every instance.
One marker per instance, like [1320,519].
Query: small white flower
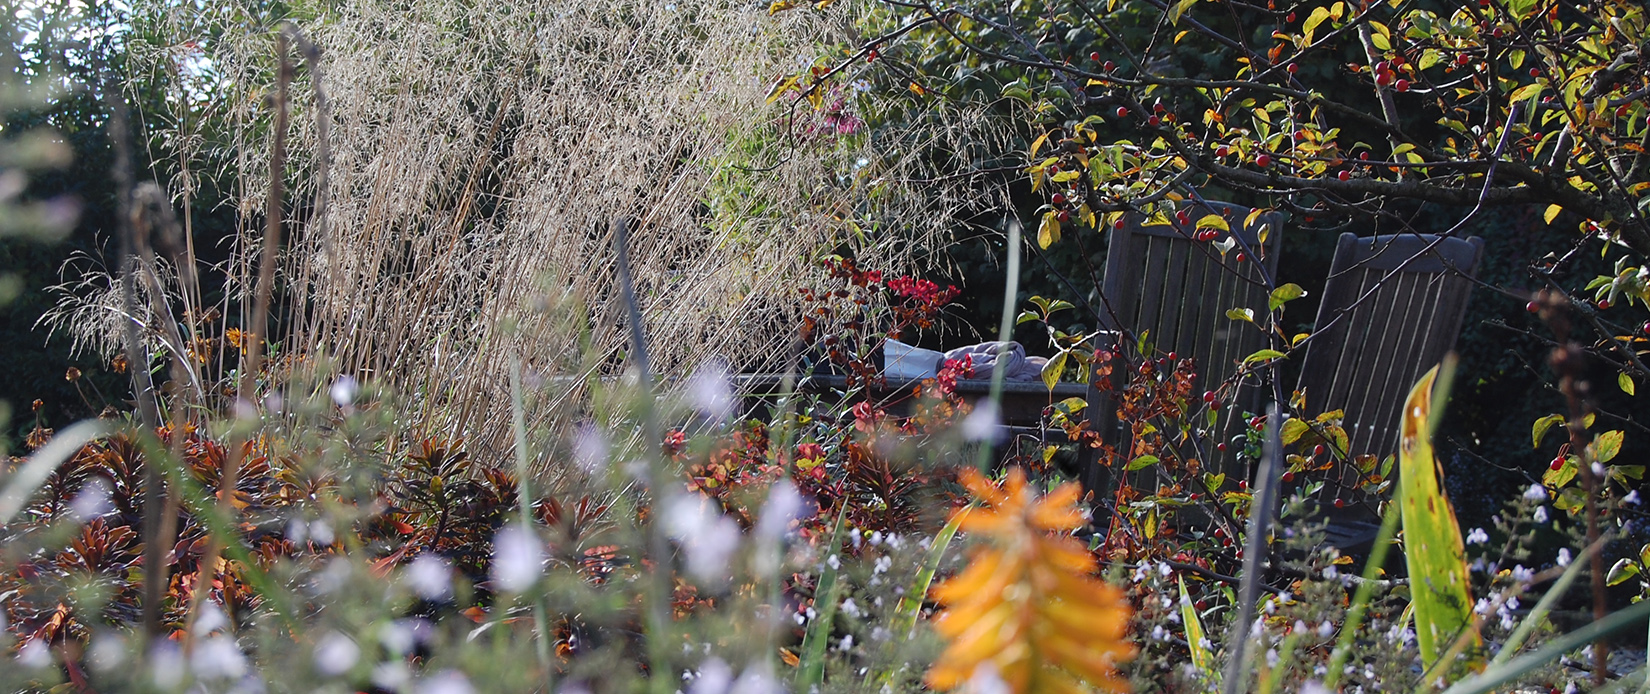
[783,506]
[880,634]
[756,680]
[166,665]
[431,577]
[984,423]
[1598,470]
[446,682]
[590,449]
[1632,498]
[1330,572]
[335,654]
[1541,514]
[92,501]
[1326,629]
[1300,626]
[334,576]
[107,651]
[856,538]
[391,675]
[850,608]
[833,562]
[707,537]
[1272,657]
[321,532]
[1522,575]
[344,390]
[847,643]
[876,537]
[218,658]
[1564,556]
[987,680]
[35,654]
[709,392]
[714,678]
[209,619]
[1536,492]
[1570,688]
[1158,633]
[1477,537]
[397,637]
[518,558]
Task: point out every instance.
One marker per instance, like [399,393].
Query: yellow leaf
[1038,144]
[1551,213]
[1049,231]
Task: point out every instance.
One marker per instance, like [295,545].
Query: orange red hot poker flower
[1028,611]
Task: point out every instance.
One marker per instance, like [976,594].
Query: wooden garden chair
[1391,309]
[1164,284]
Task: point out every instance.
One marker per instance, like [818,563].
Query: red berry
[1109,66]
[1220,447]
[1118,225]
[1483,3]
[1401,85]
[1289,476]
[1095,56]
[1383,78]
[1064,216]
[1263,160]
[1344,175]
[1122,111]
[1158,107]
[1557,463]
[1183,217]
[1243,485]
[1058,199]
[1340,503]
[1621,111]
[1496,32]
[1319,450]
[1535,72]
[1290,18]
[1154,121]
[1533,307]
[1645,328]
[872,56]
[1222,151]
[1241,257]
[1293,68]
[1172,357]
[1603,304]
[1210,397]
[1463,59]
[1194,497]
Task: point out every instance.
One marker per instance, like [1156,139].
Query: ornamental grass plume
[1028,611]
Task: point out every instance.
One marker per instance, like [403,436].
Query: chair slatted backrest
[1160,279]
[1417,286]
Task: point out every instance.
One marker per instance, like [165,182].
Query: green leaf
[1025,317]
[1243,314]
[1283,295]
[1263,355]
[1566,471]
[1606,446]
[829,592]
[1142,461]
[1625,382]
[1433,549]
[1202,659]
[1493,677]
[1624,569]
[1055,368]
[1541,427]
[1293,429]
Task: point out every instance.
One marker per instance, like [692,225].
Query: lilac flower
[709,392]
[335,654]
[430,577]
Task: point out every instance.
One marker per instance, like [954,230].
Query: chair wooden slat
[1367,362]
